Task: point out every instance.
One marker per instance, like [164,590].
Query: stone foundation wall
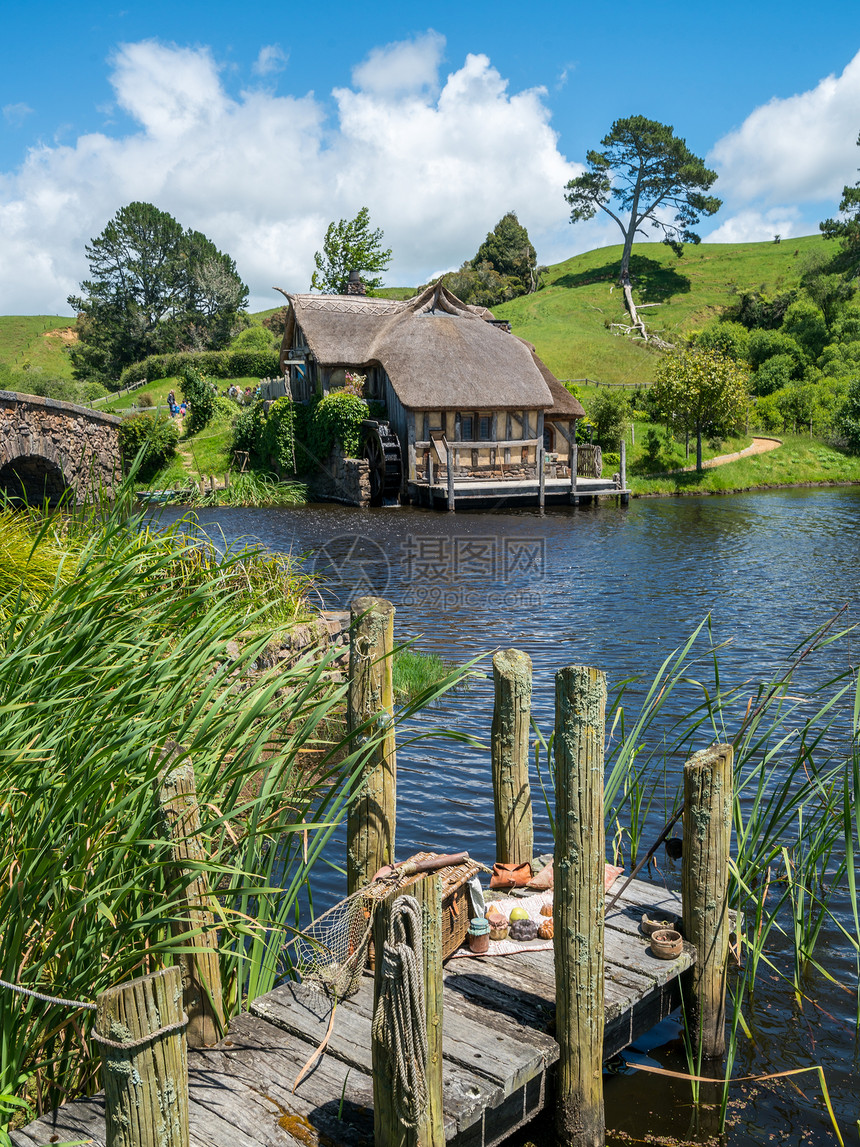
[342,479]
[318,636]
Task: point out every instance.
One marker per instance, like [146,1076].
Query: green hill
[38,341]
[569,319]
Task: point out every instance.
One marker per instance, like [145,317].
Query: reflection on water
[615,587]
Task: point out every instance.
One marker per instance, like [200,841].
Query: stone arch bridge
[49,447]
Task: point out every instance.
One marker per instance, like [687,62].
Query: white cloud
[15,114]
[797,149]
[262,175]
[405,66]
[272,58]
[753,226]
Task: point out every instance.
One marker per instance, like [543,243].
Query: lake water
[619,588]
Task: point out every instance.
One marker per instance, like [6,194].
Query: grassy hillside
[568,320]
[37,340]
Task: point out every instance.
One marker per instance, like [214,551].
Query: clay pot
[649,927]
[667,944]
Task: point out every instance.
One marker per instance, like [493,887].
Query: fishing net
[330,954]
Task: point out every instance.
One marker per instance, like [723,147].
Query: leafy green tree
[201,397]
[479,285]
[155,436]
[847,229]
[848,418]
[728,338]
[703,390]
[804,322]
[609,411]
[153,288]
[648,173]
[510,253]
[350,245]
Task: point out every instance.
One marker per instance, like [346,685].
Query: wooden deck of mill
[499,1049]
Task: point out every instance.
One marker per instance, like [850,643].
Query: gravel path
[759,446]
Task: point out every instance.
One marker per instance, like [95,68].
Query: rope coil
[399,1024]
[124,1045]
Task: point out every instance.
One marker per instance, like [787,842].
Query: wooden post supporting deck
[625,497]
[179,812]
[451,505]
[578,904]
[146,1076]
[704,884]
[512,800]
[430,1130]
[370,711]
[574,462]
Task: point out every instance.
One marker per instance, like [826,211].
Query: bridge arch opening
[32,478]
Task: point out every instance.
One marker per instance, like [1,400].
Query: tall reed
[97,672]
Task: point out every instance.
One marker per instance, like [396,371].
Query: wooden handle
[436,862]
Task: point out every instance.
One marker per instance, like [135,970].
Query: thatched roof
[438,352]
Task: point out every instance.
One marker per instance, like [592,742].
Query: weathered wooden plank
[81,1119]
[221,1104]
[269,1060]
[464,1093]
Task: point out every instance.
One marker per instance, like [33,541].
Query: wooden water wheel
[382,452]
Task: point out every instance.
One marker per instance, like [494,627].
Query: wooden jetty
[499,1049]
[489,1040]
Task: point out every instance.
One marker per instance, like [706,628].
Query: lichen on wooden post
[370,713]
[428,893]
[146,1082]
[578,904]
[194,920]
[704,892]
[512,678]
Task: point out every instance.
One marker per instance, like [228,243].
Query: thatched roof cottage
[453,379]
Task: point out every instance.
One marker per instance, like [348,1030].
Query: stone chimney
[355,286]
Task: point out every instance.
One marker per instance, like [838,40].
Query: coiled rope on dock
[398,1022]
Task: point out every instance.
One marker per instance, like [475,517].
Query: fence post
[430,1129]
[179,813]
[578,904]
[146,1077]
[371,818]
[704,890]
[512,801]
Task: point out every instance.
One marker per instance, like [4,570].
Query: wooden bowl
[667,944]
[649,927]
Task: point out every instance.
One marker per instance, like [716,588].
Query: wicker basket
[455,900]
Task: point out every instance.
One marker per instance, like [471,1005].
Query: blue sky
[259,125]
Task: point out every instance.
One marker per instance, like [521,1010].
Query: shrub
[252,338]
[145,401]
[279,435]
[611,461]
[198,393]
[727,338]
[276,322]
[215,363]
[765,344]
[610,413]
[848,418]
[773,374]
[336,418]
[156,435]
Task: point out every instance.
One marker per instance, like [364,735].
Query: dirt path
[759,446]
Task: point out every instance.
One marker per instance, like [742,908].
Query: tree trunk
[698,449]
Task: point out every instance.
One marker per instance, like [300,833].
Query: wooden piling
[541,475]
[430,1129]
[704,891]
[179,812]
[146,1077]
[370,711]
[428,893]
[625,496]
[578,904]
[574,462]
[451,505]
[512,801]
